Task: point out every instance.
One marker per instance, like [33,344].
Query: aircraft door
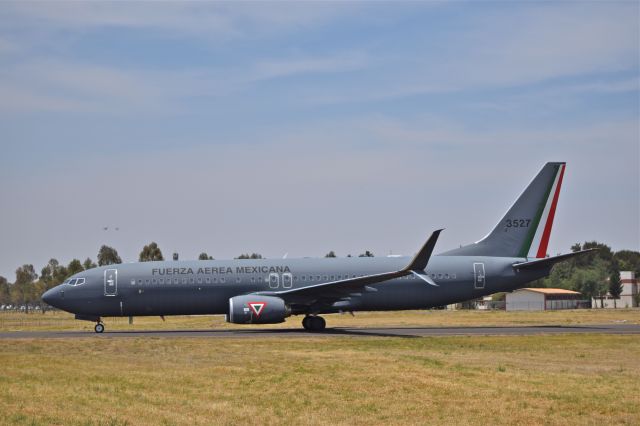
[274,280]
[479,276]
[110,282]
[287,281]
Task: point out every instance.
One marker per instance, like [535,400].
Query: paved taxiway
[341,331]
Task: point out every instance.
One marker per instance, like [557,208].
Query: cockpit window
[72,282]
[75,281]
[79,281]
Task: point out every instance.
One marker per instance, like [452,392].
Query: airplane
[267,291]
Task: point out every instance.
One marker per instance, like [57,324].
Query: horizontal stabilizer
[548,262]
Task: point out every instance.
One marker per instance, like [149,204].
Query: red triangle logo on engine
[257,307]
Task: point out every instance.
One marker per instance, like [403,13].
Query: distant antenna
[175,256]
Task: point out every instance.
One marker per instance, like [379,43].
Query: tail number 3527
[517,223]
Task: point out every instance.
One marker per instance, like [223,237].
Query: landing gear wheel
[317,324]
[306,323]
[99,328]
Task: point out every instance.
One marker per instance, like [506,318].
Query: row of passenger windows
[253,280]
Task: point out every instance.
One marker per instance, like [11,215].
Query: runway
[408,332]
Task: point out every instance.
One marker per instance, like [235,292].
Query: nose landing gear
[314,323]
[99,328]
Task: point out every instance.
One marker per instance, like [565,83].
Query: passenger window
[253,279]
[140,281]
[446,276]
[222,280]
[207,280]
[191,281]
[333,277]
[184,281]
[146,281]
[161,280]
[199,280]
[175,281]
[133,282]
[303,278]
[453,276]
[440,276]
[72,282]
[153,281]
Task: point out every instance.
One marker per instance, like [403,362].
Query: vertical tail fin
[524,231]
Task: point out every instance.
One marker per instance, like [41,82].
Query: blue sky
[309,127]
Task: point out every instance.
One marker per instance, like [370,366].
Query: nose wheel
[314,323]
[99,328]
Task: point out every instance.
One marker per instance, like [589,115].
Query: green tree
[108,256]
[88,264]
[204,256]
[52,274]
[5,291]
[74,267]
[366,254]
[150,253]
[615,286]
[628,261]
[330,254]
[59,275]
[23,290]
[250,256]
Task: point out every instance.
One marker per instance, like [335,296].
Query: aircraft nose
[52,297]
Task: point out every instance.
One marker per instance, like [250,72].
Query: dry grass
[568,379]
[64,321]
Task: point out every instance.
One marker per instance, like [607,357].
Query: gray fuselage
[205,287]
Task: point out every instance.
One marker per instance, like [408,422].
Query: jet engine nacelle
[250,309]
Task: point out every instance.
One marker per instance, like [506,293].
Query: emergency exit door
[111,282]
[478,274]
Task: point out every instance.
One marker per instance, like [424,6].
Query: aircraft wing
[329,292]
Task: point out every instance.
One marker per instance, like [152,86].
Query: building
[628,298]
[540,299]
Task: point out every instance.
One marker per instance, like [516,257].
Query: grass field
[559,379]
[543,379]
[10,321]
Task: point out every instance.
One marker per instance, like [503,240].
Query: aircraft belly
[414,295]
[177,301]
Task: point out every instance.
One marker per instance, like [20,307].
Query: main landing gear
[314,323]
[99,328]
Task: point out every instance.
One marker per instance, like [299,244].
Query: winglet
[420,260]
